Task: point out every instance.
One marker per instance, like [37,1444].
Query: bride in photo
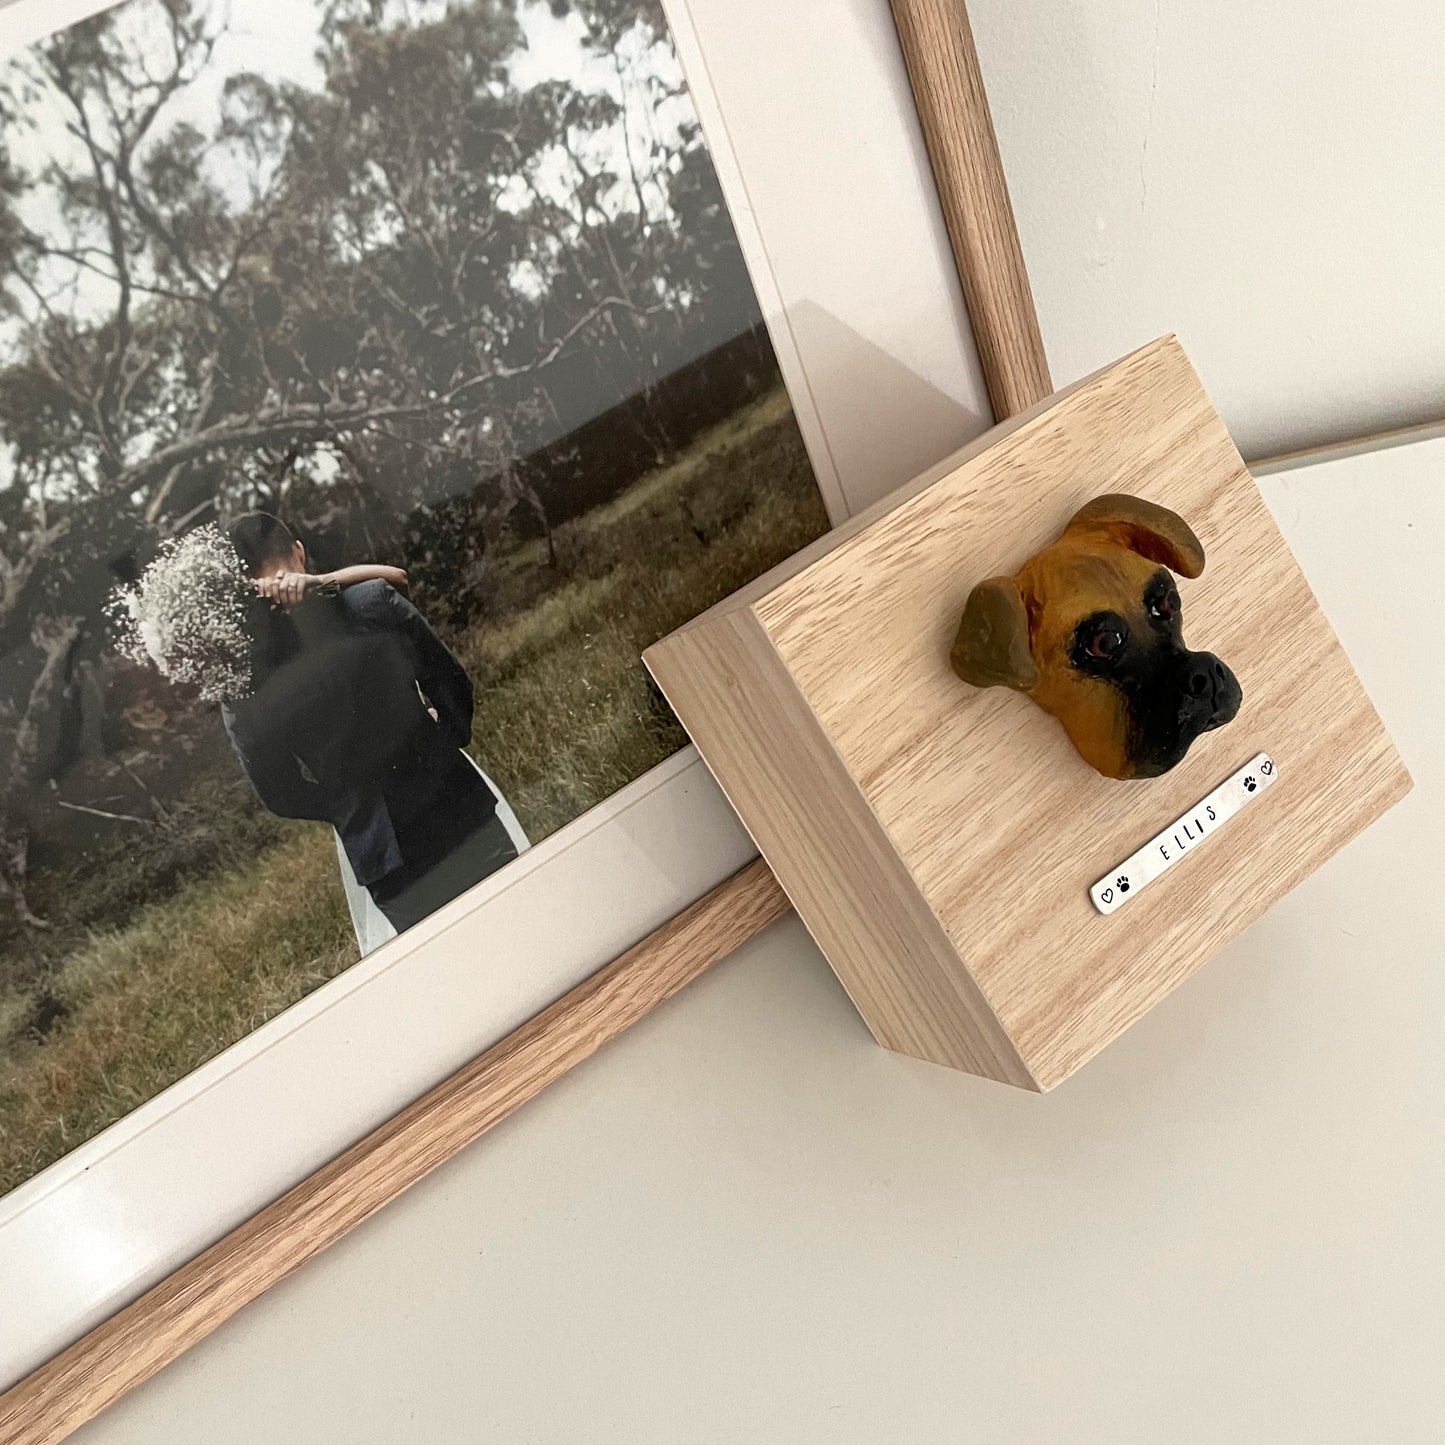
[341,705]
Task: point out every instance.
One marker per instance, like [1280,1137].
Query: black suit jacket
[338,730]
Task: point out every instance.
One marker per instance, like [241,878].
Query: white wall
[1266,179]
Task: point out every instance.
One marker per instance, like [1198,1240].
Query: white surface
[865,313]
[745,1223]
[1264,179]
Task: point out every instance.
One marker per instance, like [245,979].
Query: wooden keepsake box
[939,840]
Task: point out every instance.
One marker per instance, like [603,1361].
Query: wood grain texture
[843,873]
[998,826]
[958,130]
[131,1346]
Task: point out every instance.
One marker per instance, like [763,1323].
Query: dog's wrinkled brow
[1159,585]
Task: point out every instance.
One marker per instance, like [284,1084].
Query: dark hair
[273,636]
[260,539]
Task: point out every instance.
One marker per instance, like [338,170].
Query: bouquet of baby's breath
[186,615]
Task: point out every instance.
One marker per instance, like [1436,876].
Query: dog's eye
[1099,642]
[1106,644]
[1166,607]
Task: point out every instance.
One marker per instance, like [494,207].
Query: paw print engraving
[1122,884]
[1250,785]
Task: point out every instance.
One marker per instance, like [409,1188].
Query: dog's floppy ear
[1143,527]
[992,646]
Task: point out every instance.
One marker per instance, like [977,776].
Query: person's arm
[438,673]
[277,777]
[365,572]
[289,588]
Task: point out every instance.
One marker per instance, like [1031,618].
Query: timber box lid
[939,840]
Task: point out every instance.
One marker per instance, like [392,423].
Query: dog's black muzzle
[1192,694]
[1209,691]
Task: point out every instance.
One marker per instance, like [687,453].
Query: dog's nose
[1206,677]
[1210,689]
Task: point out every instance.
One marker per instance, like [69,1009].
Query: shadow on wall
[855,382]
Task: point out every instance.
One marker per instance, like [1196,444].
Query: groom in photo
[358,717]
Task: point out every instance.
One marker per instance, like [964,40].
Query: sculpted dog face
[1090,628]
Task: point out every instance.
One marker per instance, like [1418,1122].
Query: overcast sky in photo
[278,39]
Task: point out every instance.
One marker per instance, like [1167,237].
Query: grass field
[171,955]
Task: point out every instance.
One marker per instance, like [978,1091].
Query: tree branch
[19,571]
[101,813]
[54,637]
[310,420]
[155,504]
[104,404]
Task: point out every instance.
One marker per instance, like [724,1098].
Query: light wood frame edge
[148,1334]
[127,1349]
[1354,446]
[958,130]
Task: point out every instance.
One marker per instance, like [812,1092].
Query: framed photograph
[377,379]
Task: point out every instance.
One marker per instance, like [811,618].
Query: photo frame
[66,1243]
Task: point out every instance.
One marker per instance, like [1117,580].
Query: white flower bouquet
[186,615]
